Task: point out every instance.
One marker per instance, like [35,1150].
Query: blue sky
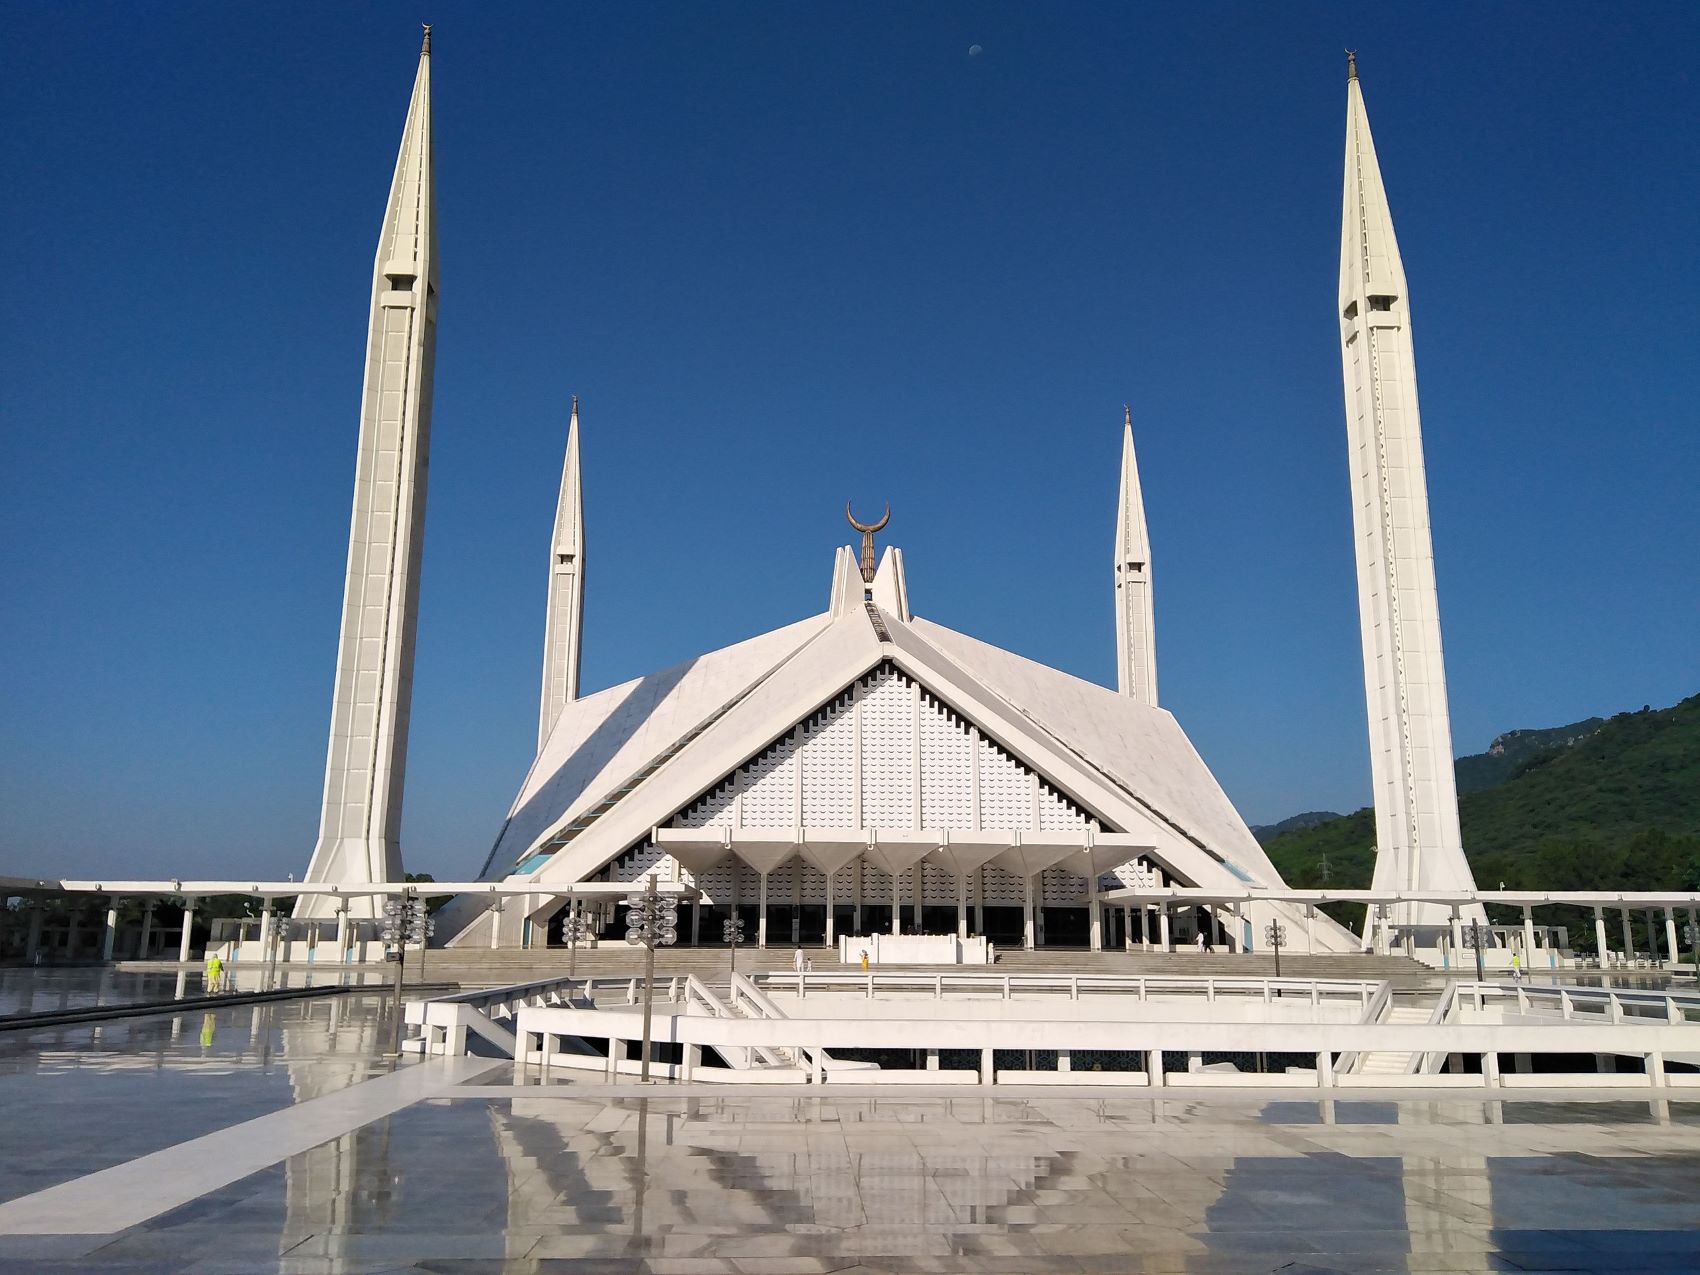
[790,255]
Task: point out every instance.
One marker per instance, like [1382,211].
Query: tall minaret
[1410,733]
[360,826]
[566,593]
[1136,633]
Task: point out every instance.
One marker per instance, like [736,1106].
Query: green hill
[1617,806]
[1512,751]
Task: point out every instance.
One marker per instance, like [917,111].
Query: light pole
[652,921]
[404,922]
[1691,932]
[575,929]
[733,932]
[1275,934]
[1473,940]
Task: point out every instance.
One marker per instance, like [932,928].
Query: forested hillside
[1620,807]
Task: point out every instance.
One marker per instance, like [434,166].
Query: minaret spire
[360,822]
[1416,803]
[566,592]
[1136,645]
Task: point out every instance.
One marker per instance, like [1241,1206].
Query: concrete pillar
[1528,937]
[796,903]
[1456,927]
[1028,937]
[1127,929]
[1628,937]
[1600,936]
[1310,929]
[987,1075]
[1670,936]
[1164,933]
[761,918]
[266,920]
[962,907]
[1653,935]
[110,934]
[896,903]
[147,931]
[1094,913]
[920,901]
[32,944]
[1238,943]
[696,921]
[184,940]
[831,906]
[856,920]
[1144,927]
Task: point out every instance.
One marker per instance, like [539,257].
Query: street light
[405,921]
[654,922]
[1275,934]
[1473,939]
[733,932]
[575,930]
[1691,933]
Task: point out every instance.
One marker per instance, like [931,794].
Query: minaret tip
[1127,416]
[575,407]
[425,46]
[1351,64]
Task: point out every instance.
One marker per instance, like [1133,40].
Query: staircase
[1393,1063]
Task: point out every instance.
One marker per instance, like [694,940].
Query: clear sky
[789,255]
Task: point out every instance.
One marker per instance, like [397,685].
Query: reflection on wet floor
[495,1174]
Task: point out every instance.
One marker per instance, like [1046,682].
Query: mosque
[867,770]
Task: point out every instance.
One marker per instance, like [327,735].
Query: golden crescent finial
[863,527]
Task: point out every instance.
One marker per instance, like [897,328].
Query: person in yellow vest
[214,980]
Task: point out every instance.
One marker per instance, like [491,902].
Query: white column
[1095,914]
[1456,926]
[856,921]
[896,903]
[1628,938]
[183,941]
[962,906]
[1236,941]
[1164,934]
[110,934]
[147,931]
[497,907]
[1528,938]
[761,920]
[1310,928]
[1127,929]
[831,904]
[1144,910]
[1027,935]
[266,930]
[1600,936]
[1653,935]
[32,945]
[1670,936]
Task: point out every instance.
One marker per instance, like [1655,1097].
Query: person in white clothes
[798,960]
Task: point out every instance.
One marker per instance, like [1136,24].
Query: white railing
[1142,987]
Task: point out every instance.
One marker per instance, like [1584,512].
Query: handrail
[1374,1012]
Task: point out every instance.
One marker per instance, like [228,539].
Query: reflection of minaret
[1136,639]
[1416,802]
[566,593]
[360,824]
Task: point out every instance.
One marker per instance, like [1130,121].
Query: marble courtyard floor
[277,1138]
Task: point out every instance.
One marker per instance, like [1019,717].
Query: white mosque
[866,770]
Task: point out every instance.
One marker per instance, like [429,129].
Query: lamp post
[1473,940]
[1691,933]
[733,932]
[652,921]
[404,922]
[1275,934]
[575,929]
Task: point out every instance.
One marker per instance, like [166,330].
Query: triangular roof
[629,759]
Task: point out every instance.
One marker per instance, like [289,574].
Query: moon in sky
[975,50]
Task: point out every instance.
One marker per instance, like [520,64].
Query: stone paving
[281,1141]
